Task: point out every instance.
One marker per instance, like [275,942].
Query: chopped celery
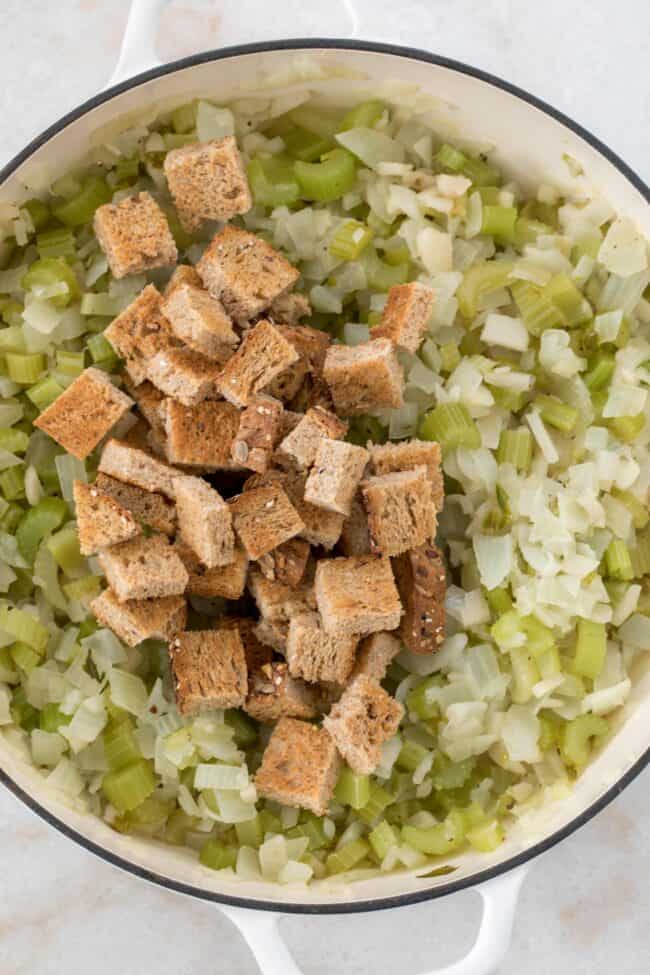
[100,349]
[516,448]
[566,297]
[273,181]
[382,276]
[618,561]
[364,116]
[640,555]
[12,314]
[306,146]
[38,211]
[528,230]
[12,339]
[311,827]
[495,522]
[328,180]
[269,822]
[43,393]
[24,627]
[251,832]
[120,747]
[322,123]
[576,736]
[82,590]
[499,222]
[627,428]
[101,304]
[81,208]
[352,789]
[350,240]
[410,756]
[217,856]
[437,840]
[601,370]
[591,647]
[499,600]
[557,414]
[64,546]
[365,428]
[537,311]
[382,838]
[480,172]
[638,510]
[150,816]
[539,638]
[509,399]
[13,440]
[525,674]
[396,253]
[52,718]
[25,369]
[379,800]
[11,518]
[451,425]
[184,118]
[347,856]
[70,363]
[418,700]
[448,157]
[41,520]
[127,787]
[12,483]
[486,837]
[22,712]
[59,242]
[24,657]
[49,271]
[479,280]
[450,356]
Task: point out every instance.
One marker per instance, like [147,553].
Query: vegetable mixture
[532,376]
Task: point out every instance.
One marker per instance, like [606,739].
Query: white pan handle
[260,929]
[292,18]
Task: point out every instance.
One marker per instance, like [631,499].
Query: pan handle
[260,929]
[292,18]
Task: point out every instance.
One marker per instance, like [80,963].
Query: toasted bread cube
[222,582]
[316,655]
[84,413]
[274,694]
[287,563]
[272,635]
[256,653]
[264,518]
[258,433]
[364,718]
[143,568]
[208,670]
[201,322]
[146,507]
[375,654]
[357,595]
[401,512]
[141,436]
[421,581]
[140,619]
[245,273]
[201,435]
[364,378]
[183,274]
[288,309]
[263,354]
[355,537]
[101,521]
[204,521]
[321,527]
[407,455]
[134,466]
[287,384]
[300,766]
[302,443]
[406,315]
[311,346]
[277,603]
[151,403]
[184,375]
[141,331]
[207,181]
[334,478]
[288,422]
[134,235]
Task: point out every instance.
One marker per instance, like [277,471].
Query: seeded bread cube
[401,512]
[288,309]
[406,315]
[184,375]
[420,577]
[134,466]
[140,619]
[407,455]
[359,724]
[300,766]
[101,521]
[221,582]
[364,378]
[334,478]
[201,322]
[84,413]
[355,537]
[264,518]
[147,507]
[321,527]
[141,331]
[262,356]
[244,272]
[375,654]
[207,181]
[183,274]
[201,435]
[208,670]
[143,568]
[287,563]
[274,694]
[357,595]
[316,655]
[302,443]
[256,653]
[258,434]
[134,235]
[204,521]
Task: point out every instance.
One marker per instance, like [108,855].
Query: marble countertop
[585,904]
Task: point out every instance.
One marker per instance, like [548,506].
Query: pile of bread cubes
[236,477]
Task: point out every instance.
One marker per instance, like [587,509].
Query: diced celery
[352,789]
[100,349]
[438,840]
[24,627]
[626,428]
[310,827]
[52,718]
[640,555]
[396,253]
[127,787]
[448,157]
[184,118]
[516,448]
[618,561]
[318,122]
[499,600]
[22,712]
[13,440]
[101,304]
[379,800]
[499,222]
[479,280]
[64,546]
[410,756]
[382,838]
[576,737]
[306,146]
[329,179]
[12,483]
[480,172]
[25,369]
[363,116]
[525,674]
[70,363]
[82,590]
[486,837]
[81,208]
[12,314]
[537,311]
[638,510]
[43,393]
[557,414]
[120,746]
[451,425]
[217,856]
[269,822]
[24,657]
[273,181]
[601,370]
[528,230]
[251,832]
[48,271]
[38,211]
[59,242]
[566,297]
[418,699]
[347,856]
[12,339]
[450,357]
[41,520]
[591,647]
[12,516]
[382,276]
[350,240]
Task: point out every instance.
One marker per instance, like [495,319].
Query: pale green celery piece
[382,276]
[557,414]
[438,840]
[100,349]
[627,428]
[576,737]
[640,555]
[451,425]
[82,590]
[40,521]
[120,746]
[43,393]
[410,756]
[618,561]
[479,280]
[64,546]
[48,271]
[15,441]
[306,146]
[347,857]
[350,240]
[352,789]
[549,663]
[311,828]
[396,252]
[449,157]
[507,630]
[516,448]
[70,363]
[127,787]
[38,211]
[52,718]
[480,172]
[499,222]
[24,627]
[591,647]
[486,837]
[538,311]
[101,304]
[80,209]
[638,510]
[59,242]
[601,370]
[499,600]
[217,856]
[365,115]
[379,800]
[12,483]
[183,118]
[250,833]
[318,122]
[525,674]
[450,355]
[273,181]
[568,299]
[12,314]
[12,339]
[382,838]
[528,230]
[329,179]
[25,369]
[418,699]
[24,657]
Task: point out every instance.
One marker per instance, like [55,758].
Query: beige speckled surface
[585,905]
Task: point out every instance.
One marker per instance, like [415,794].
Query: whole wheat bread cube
[258,434]
[222,582]
[311,345]
[276,601]
[406,315]
[204,521]
[256,653]
[201,435]
[357,595]
[101,520]
[359,724]
[183,274]
[151,403]
[407,455]
[287,384]
[263,354]
[140,619]
[141,331]
[134,235]
[272,635]
[355,537]
[147,507]
[264,518]
[244,272]
[375,654]
[290,308]
[200,321]
[300,766]
[364,378]
[334,478]
[321,527]
[287,563]
[184,375]
[303,441]
[208,670]
[134,466]
[273,694]
[316,655]
[421,581]
[207,181]
[401,512]
[143,568]
[84,413]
